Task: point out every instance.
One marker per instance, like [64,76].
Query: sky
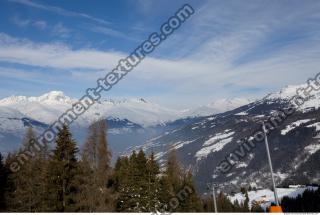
[227,49]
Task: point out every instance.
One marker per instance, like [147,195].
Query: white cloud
[60,11]
[20,22]
[60,30]
[40,24]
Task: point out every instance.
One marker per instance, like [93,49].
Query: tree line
[308,201]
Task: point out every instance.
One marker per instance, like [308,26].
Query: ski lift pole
[213,196]
[271,169]
[214,199]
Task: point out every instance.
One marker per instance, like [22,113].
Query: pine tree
[121,184]
[42,163]
[256,207]
[246,202]
[28,186]
[139,182]
[135,179]
[10,188]
[3,184]
[153,191]
[236,206]
[188,197]
[62,172]
[224,204]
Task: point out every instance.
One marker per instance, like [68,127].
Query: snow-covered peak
[287,92]
[13,99]
[290,91]
[53,96]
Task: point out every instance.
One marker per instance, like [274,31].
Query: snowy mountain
[48,107]
[207,141]
[130,121]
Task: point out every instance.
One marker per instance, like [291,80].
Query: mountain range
[202,136]
[131,121]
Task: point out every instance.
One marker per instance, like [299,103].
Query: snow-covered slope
[13,125]
[13,121]
[290,91]
[265,197]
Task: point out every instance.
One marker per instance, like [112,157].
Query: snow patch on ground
[294,125]
[316,125]
[179,144]
[313,148]
[241,164]
[241,114]
[259,116]
[215,143]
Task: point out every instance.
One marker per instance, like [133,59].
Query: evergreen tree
[121,183]
[62,172]
[223,203]
[28,187]
[256,208]
[3,184]
[153,171]
[139,182]
[188,197]
[9,189]
[236,206]
[176,184]
[307,202]
[246,203]
[42,163]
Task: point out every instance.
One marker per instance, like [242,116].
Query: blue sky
[227,49]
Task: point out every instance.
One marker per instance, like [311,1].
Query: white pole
[214,199]
[270,164]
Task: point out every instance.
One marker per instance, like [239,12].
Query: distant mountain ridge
[49,106]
